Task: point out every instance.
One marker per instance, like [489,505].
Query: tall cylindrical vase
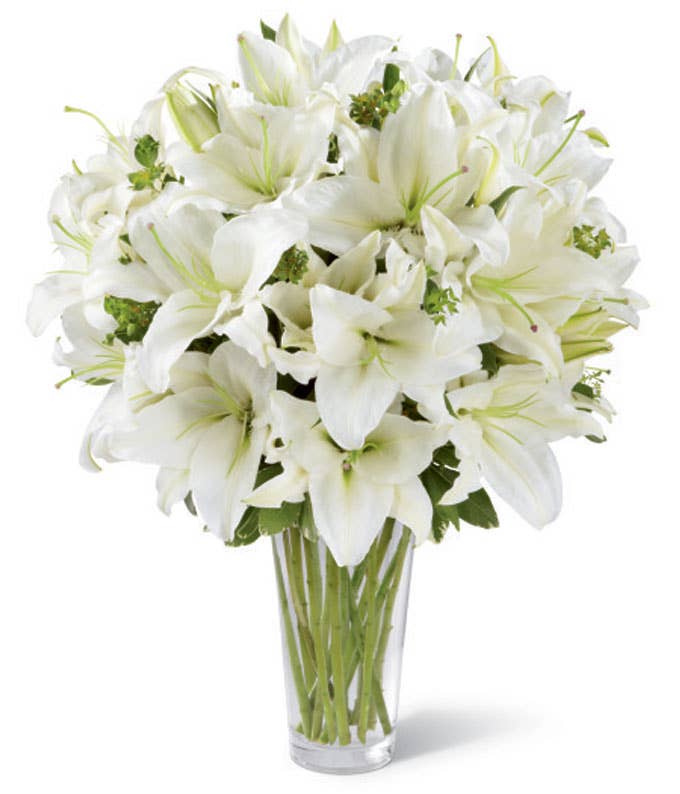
[343,636]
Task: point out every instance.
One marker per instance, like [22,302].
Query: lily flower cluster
[351,286]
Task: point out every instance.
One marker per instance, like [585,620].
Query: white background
[139,655]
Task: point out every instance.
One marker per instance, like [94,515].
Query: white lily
[534,285]
[284,71]
[116,412]
[212,270]
[258,153]
[369,353]
[541,147]
[352,491]
[96,356]
[409,245]
[502,428]
[353,272]
[213,426]
[418,164]
[84,209]
[87,217]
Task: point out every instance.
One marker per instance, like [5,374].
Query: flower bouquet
[333,302]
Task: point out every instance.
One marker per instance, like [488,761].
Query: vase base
[351,759]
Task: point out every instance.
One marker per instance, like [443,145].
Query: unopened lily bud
[334,39]
[193,114]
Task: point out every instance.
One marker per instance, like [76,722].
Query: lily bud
[334,39]
[587,332]
[193,113]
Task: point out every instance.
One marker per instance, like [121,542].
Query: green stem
[296,667]
[317,716]
[390,600]
[338,631]
[384,540]
[316,614]
[383,545]
[380,706]
[358,575]
[370,637]
[349,633]
[294,567]
[316,693]
[337,666]
[354,657]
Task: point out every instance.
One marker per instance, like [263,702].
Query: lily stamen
[414,207]
[577,120]
[202,284]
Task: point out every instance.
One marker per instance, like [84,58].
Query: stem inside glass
[338,627]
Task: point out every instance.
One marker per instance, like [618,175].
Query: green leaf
[502,199]
[267,32]
[189,504]
[266,473]
[247,531]
[206,344]
[435,482]
[490,361]
[307,523]
[443,516]
[584,389]
[146,151]
[596,439]
[391,77]
[409,408]
[272,520]
[436,485]
[333,149]
[478,510]
[446,456]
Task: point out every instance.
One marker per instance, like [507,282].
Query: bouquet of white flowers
[350,290]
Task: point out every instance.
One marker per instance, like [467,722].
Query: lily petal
[51,297]
[343,210]
[413,508]
[223,471]
[268,69]
[467,481]
[180,320]
[398,450]
[352,400]
[172,485]
[349,512]
[246,250]
[339,320]
[418,148]
[289,486]
[526,476]
[353,271]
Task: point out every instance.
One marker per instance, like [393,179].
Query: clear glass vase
[343,635]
